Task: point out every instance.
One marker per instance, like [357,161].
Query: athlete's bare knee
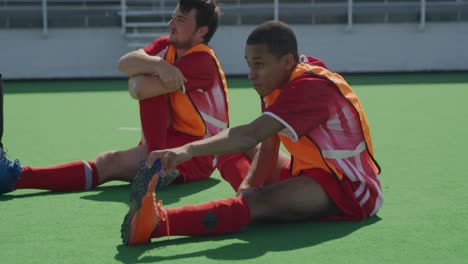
[105,163]
[250,153]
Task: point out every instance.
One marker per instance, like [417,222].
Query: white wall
[365,48]
[64,53]
[82,53]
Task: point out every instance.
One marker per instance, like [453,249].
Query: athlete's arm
[146,86]
[138,62]
[199,69]
[233,140]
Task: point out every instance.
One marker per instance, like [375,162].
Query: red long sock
[233,168]
[213,218]
[154,118]
[73,176]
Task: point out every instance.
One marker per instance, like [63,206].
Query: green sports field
[419,124]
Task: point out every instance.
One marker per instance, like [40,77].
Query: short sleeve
[158,45]
[200,70]
[303,105]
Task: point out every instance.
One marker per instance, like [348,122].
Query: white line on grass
[130,128]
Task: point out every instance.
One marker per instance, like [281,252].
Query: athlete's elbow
[134,89]
[121,65]
[138,93]
[125,67]
[249,142]
[243,136]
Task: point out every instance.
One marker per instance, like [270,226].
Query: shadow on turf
[258,240]
[6,197]
[172,194]
[121,193]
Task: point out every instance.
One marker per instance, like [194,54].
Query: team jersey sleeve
[302,105]
[200,70]
[155,47]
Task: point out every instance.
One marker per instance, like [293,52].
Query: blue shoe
[9,173]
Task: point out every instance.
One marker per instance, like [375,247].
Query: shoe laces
[14,166]
[166,177]
[3,157]
[162,214]
[17,165]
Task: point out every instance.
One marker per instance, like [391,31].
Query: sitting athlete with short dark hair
[182,95]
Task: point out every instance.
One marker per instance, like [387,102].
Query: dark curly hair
[208,14]
[277,36]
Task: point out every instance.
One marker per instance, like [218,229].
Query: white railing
[348,12]
[45,26]
[44,8]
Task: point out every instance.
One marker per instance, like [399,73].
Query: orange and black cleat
[144,214]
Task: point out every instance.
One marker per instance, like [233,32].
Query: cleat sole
[138,191]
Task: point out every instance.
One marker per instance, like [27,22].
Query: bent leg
[154,117]
[293,199]
[234,167]
[196,169]
[283,159]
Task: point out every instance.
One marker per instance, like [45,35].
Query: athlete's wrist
[160,64]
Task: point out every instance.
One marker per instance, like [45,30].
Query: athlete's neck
[181,51]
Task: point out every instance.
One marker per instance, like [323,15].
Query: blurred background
[55,39]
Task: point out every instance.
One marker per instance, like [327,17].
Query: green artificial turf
[419,127]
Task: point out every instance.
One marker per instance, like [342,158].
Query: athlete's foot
[144,214]
[9,173]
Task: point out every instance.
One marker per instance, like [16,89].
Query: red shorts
[198,168]
[342,193]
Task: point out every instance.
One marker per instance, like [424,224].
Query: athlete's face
[183,29]
[266,71]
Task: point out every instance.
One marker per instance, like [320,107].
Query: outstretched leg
[9,170]
[147,219]
[293,199]
[80,175]
[1,111]
[144,214]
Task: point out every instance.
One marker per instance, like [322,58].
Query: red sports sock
[154,118]
[73,176]
[233,168]
[213,218]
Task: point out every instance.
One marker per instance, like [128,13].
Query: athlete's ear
[288,61]
[202,31]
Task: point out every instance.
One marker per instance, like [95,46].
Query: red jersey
[326,128]
[198,67]
[201,107]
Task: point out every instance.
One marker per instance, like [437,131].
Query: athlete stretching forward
[314,113]
[182,95]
